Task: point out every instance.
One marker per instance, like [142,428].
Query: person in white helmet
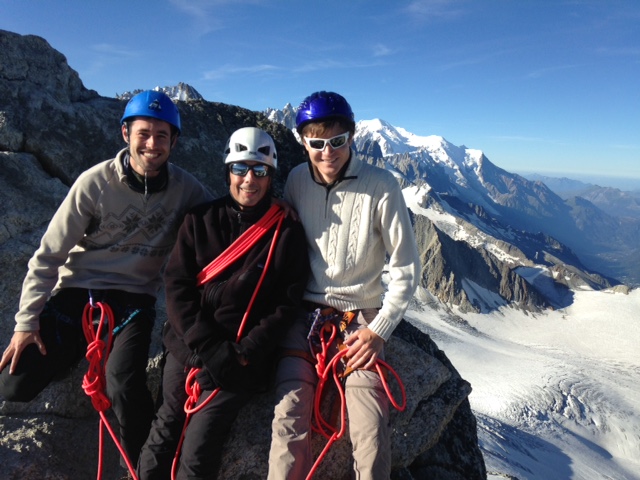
[204,320]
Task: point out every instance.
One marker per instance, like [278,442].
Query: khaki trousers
[291,457]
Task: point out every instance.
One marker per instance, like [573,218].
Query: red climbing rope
[243,243]
[94,381]
[333,369]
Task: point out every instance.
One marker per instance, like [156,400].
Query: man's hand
[364,348]
[18,343]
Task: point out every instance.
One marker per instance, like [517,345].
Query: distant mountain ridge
[613,201]
[180,92]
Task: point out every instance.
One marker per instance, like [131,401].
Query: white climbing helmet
[253,144]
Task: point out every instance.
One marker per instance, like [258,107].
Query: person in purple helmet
[106,243]
[355,219]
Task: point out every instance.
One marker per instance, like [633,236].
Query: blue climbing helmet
[154,104]
[323,106]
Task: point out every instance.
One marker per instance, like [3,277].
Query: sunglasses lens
[239,169]
[317,144]
[337,142]
[260,170]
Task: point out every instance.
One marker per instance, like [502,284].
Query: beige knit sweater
[351,227]
[107,236]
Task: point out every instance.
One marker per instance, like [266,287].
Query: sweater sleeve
[66,229]
[404,262]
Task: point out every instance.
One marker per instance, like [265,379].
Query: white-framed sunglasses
[336,142]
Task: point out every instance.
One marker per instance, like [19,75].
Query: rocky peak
[180,92]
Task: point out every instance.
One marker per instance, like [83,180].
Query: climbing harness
[323,337]
[274,216]
[94,381]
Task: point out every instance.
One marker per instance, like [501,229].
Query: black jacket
[203,321]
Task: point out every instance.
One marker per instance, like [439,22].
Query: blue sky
[546,86]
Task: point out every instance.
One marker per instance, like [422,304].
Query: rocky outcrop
[51,129]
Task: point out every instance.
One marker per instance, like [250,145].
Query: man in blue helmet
[355,219]
[106,243]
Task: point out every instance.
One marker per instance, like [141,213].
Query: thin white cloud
[106,56]
[517,138]
[201,13]
[233,70]
[331,64]
[208,15]
[545,71]
[114,50]
[228,70]
[427,9]
[479,59]
[380,50]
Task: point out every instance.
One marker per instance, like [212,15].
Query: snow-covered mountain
[397,140]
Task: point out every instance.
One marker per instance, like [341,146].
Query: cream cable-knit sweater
[107,236]
[350,229]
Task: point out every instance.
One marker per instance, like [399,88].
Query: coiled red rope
[243,243]
[94,381]
[334,370]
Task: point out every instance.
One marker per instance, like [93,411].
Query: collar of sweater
[349,171]
[142,184]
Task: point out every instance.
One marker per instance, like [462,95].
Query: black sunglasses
[241,169]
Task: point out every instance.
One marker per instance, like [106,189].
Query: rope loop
[94,381]
[336,369]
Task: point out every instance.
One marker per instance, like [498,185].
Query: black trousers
[61,332]
[206,433]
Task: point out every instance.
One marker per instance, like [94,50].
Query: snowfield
[556,395]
